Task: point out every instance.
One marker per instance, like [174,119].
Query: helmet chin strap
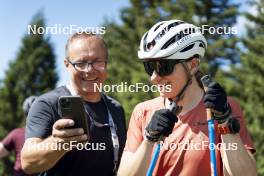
[180,95]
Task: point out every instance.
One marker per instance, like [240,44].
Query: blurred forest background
[236,62]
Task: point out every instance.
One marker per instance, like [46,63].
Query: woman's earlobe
[194,68]
[195,65]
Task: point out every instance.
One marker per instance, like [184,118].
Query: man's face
[86,50]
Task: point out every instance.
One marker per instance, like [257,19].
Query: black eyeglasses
[162,67]
[83,66]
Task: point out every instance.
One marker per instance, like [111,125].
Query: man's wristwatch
[232,127]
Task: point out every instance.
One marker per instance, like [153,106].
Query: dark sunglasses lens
[162,68]
[165,68]
[149,67]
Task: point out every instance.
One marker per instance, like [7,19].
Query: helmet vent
[150,45]
[166,29]
[187,48]
[174,25]
[145,36]
[201,45]
[158,26]
[170,42]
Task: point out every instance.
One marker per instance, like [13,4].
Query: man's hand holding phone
[63,134]
[73,125]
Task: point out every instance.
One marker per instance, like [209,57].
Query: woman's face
[170,85]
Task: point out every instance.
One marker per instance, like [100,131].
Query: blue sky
[15,15]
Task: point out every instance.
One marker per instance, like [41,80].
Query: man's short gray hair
[85,35]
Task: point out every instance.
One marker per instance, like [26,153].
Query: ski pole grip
[206,79]
[172,107]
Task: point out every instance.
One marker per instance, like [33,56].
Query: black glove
[161,124]
[215,99]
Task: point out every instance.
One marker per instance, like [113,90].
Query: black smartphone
[72,107]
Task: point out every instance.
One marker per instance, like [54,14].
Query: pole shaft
[154,160]
[211,129]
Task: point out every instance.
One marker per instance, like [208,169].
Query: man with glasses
[171,52]
[86,61]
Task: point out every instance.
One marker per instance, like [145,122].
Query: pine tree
[32,72]
[215,14]
[248,79]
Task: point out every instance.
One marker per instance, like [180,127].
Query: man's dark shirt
[43,114]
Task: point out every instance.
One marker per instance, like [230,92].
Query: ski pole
[154,160]
[211,129]
[173,109]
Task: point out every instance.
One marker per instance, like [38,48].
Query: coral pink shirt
[185,151]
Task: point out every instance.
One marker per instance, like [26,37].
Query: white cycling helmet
[172,39]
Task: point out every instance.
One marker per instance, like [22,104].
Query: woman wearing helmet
[171,52]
